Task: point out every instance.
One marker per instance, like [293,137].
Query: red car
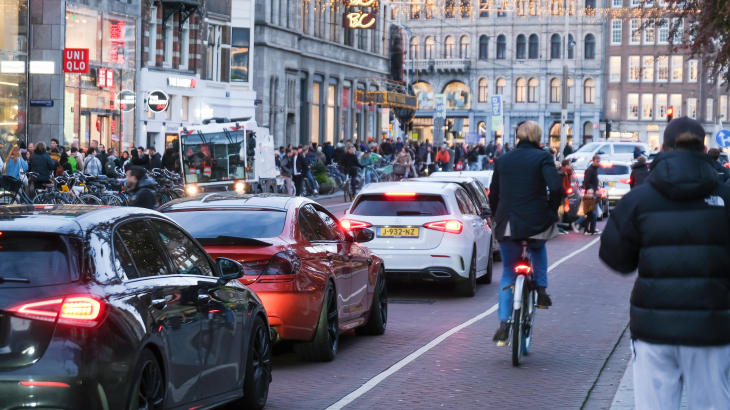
[315,280]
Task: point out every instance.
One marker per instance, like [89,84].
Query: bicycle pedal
[501,343]
[542,307]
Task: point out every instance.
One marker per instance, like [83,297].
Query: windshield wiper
[399,213]
[231,241]
[16,280]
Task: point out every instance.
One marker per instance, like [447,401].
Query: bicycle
[14,190]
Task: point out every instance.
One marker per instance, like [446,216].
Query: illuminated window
[532,90]
[677,69]
[521,90]
[648,69]
[633,106]
[555,90]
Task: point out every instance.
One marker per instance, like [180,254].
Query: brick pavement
[572,341]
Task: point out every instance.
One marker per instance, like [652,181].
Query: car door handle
[159,304]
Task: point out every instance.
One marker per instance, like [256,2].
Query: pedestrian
[170,160]
[507,148]
[310,159]
[429,160]
[298,168]
[140,158]
[638,152]
[64,162]
[14,164]
[321,157]
[524,210]
[676,230]
[367,161]
[723,174]
[41,163]
[442,159]
[567,150]
[286,169]
[639,172]
[386,148]
[141,189]
[92,165]
[54,143]
[101,154]
[590,184]
[111,164]
[155,158]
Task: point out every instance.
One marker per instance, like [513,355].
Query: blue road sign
[723,138]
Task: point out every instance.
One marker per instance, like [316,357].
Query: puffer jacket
[676,230]
[639,173]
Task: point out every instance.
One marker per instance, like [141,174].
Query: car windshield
[217,156]
[33,259]
[252,224]
[614,170]
[589,147]
[384,205]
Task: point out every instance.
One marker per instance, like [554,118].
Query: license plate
[398,232]
[611,184]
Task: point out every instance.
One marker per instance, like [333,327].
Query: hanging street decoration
[359,20]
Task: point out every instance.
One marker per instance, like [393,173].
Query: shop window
[184,107]
[457,96]
[424,94]
[239,54]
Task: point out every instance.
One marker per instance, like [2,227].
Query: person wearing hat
[675,228]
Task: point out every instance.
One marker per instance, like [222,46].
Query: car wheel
[149,386]
[323,347]
[468,288]
[378,309]
[487,277]
[258,367]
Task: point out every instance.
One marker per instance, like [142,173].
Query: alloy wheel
[261,363]
[383,292]
[332,322]
[150,388]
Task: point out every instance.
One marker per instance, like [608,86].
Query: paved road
[572,343]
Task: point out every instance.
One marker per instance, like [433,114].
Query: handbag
[580,209]
[459,166]
[599,211]
[399,169]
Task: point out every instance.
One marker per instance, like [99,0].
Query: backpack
[72,161]
[110,168]
[59,170]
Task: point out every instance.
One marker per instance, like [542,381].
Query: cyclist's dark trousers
[511,252]
[298,183]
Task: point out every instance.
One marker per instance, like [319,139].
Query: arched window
[449,47]
[414,48]
[520,90]
[532,90]
[534,47]
[589,91]
[571,90]
[501,83]
[483,90]
[501,47]
[590,47]
[555,47]
[521,46]
[555,90]
[464,47]
[429,48]
[483,47]
[571,47]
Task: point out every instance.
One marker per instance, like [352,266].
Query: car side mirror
[228,270]
[362,235]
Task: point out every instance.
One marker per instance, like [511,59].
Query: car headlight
[192,189]
[239,186]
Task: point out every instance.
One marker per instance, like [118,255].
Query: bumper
[80,394]
[293,309]
[428,265]
[434,274]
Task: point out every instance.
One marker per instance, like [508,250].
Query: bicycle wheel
[346,191]
[7,198]
[529,305]
[42,198]
[112,200]
[518,317]
[88,199]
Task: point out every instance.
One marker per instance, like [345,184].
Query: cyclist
[351,165]
[367,161]
[140,188]
[524,211]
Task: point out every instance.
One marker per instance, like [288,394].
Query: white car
[425,232]
[610,151]
[485,177]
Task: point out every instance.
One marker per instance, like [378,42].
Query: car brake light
[523,269]
[283,263]
[445,226]
[606,165]
[72,310]
[491,160]
[33,383]
[570,190]
[349,224]
[400,194]
[727,165]
[625,181]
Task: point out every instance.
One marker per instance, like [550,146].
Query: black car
[119,308]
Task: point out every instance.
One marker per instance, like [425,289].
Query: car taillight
[400,195]
[727,164]
[569,191]
[72,310]
[523,269]
[33,383]
[625,181]
[606,164]
[445,226]
[254,268]
[283,263]
[349,224]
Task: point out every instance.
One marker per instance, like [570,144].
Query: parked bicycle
[15,190]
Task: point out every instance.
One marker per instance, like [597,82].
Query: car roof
[455,179]
[427,187]
[228,200]
[62,219]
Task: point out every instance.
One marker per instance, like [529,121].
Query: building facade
[14,23]
[308,68]
[468,52]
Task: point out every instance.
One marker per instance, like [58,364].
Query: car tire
[487,277]
[468,288]
[151,394]
[323,347]
[378,319]
[258,367]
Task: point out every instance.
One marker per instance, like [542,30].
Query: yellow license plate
[611,184]
[398,232]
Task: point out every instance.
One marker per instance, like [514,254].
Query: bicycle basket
[11,184]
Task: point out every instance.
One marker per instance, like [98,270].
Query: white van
[610,151]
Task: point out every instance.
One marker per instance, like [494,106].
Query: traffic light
[670,113]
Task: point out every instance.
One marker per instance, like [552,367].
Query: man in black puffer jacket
[676,230]
[639,173]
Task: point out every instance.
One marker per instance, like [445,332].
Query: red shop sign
[101,77]
[76,60]
[110,78]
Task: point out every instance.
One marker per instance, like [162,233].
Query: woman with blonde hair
[15,163]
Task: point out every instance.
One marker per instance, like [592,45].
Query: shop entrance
[98,128]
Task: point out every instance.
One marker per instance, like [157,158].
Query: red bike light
[523,269]
[569,191]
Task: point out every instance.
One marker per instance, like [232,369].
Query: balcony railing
[446,65]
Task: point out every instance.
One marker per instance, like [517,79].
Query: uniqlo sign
[76,60]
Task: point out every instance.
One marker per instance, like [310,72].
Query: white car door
[474,222]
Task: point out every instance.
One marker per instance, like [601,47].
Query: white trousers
[660,372]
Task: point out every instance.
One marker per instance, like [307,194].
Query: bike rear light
[727,164]
[82,311]
[569,191]
[33,383]
[445,226]
[349,224]
[625,181]
[400,194]
[523,269]
[283,263]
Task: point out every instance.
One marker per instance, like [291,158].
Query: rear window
[417,205]
[35,259]
[614,170]
[235,223]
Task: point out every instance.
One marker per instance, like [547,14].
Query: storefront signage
[116,37]
[42,67]
[440,106]
[157,101]
[76,60]
[12,67]
[652,127]
[360,3]
[181,82]
[387,99]
[359,20]
[127,100]
[497,112]
[41,103]
[105,77]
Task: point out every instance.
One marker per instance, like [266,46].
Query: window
[185,45]
[648,74]
[647,104]
[184,108]
[692,108]
[635,33]
[239,55]
[465,8]
[187,257]
[590,8]
[464,47]
[661,106]
[708,109]
[534,47]
[483,47]
[501,47]
[617,3]
[466,205]
[483,90]
[649,34]
[663,25]
[331,223]
[332,109]
[449,47]
[556,7]
[316,109]
[571,47]
[501,83]
[450,8]
[521,7]
[484,8]
[570,90]
[521,90]
[430,5]
[555,90]
[207,225]
[662,68]
[633,106]
[142,248]
[167,39]
[723,107]
[634,68]
[590,47]
[122,260]
[380,205]
[677,67]
[615,69]
[614,105]
[429,48]
[521,46]
[616,31]
[555,46]
[414,49]
[213,65]
[589,91]
[532,90]
[152,54]
[635,3]
[692,71]
[415,12]
[679,33]
[676,102]
[317,229]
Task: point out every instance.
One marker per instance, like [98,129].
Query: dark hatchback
[119,308]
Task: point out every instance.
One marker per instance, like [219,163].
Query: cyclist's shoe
[502,333]
[543,299]
[575,227]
